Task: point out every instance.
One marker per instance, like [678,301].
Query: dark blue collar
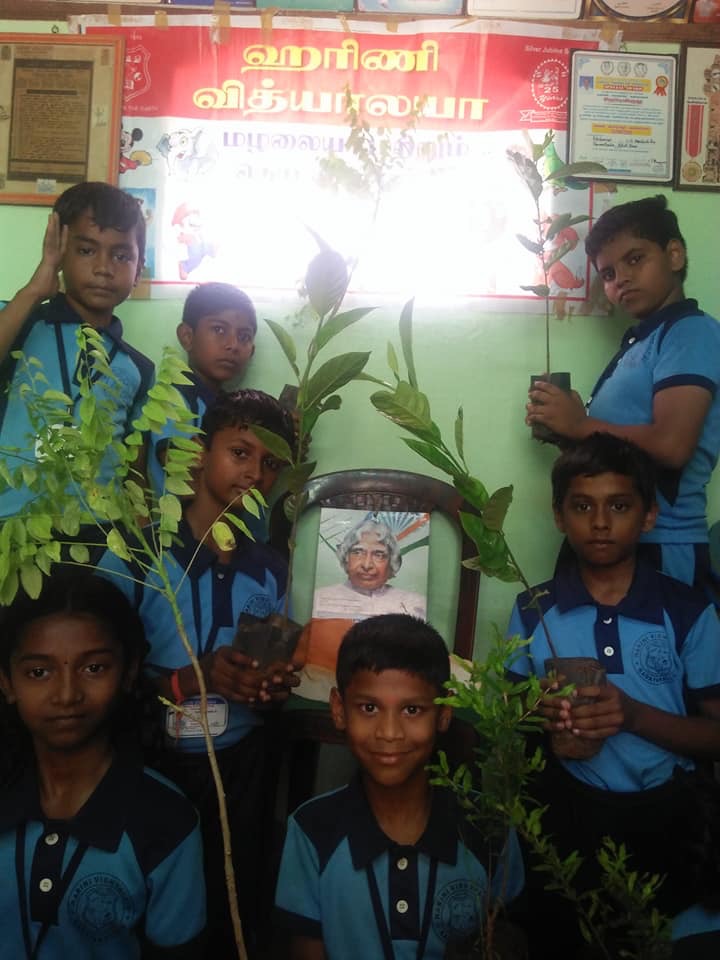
[197,389]
[367,841]
[99,823]
[670,313]
[643,600]
[197,558]
[58,310]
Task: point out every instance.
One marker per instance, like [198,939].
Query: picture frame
[638,11]
[698,127]
[622,114]
[60,113]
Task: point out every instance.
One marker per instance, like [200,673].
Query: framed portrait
[60,113]
[622,114]
[368,563]
[698,140]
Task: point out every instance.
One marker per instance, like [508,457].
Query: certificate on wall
[699,120]
[60,113]
[622,114]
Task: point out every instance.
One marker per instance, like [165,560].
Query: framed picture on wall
[622,114]
[698,141]
[637,10]
[60,110]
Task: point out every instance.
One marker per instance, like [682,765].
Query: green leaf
[558,223]
[432,454]
[171,506]
[240,524]
[86,408]
[532,245]
[334,374]
[393,360]
[326,280]
[57,395]
[277,445]
[286,342]
[408,408]
[298,476]
[250,504]
[40,527]
[406,341]
[117,545]
[223,535]
[558,254]
[581,168]
[495,510]
[79,552]
[31,580]
[335,325]
[472,490]
[178,486]
[539,289]
[459,436]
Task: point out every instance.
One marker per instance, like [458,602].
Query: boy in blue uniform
[96,238]
[385,867]
[217,331]
[213,587]
[658,641]
[660,389]
[99,856]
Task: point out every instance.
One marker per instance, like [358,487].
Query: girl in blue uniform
[99,856]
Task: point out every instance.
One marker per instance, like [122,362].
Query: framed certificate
[60,110]
[698,142]
[638,10]
[622,114]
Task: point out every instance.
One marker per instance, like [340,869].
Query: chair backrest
[376,489]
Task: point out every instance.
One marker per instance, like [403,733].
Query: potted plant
[554,237]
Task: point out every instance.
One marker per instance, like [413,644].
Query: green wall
[467,353]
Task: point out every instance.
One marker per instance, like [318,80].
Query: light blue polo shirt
[674,347]
[50,336]
[211,598]
[343,881]
[129,862]
[659,643]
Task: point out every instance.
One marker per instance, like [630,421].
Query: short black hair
[110,208]
[648,218]
[211,298]
[74,592]
[393,641]
[248,408]
[604,453]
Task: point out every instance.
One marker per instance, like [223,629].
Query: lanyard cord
[32,952]
[381,922]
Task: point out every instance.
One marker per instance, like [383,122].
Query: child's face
[236,461]
[391,724]
[639,275]
[65,678]
[603,517]
[220,346]
[100,268]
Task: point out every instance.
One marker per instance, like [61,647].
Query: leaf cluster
[86,494]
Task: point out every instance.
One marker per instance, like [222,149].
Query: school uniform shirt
[49,335]
[128,863]
[343,881]
[211,596]
[660,643]
[676,346]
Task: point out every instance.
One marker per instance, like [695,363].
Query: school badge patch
[652,658]
[457,910]
[101,906]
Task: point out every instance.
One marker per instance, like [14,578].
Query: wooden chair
[303,730]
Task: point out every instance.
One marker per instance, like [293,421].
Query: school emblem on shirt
[101,905]
[456,912]
[258,605]
[652,658]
